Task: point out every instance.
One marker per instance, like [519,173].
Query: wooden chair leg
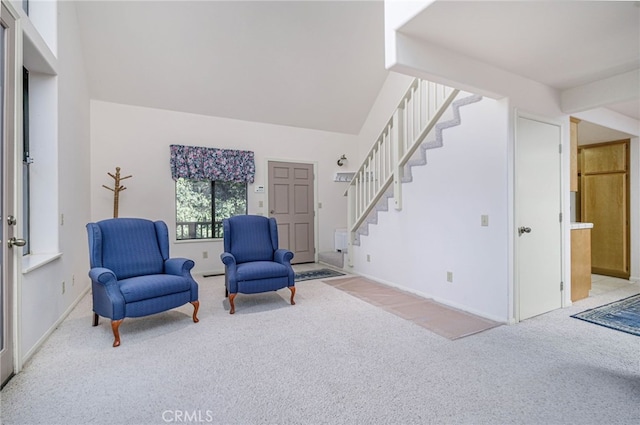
[196,306]
[95,319]
[115,324]
[293,294]
[231,303]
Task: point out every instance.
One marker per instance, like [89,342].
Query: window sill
[32,262]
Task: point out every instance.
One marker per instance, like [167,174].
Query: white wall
[438,229]
[381,111]
[137,139]
[634,176]
[42,13]
[42,303]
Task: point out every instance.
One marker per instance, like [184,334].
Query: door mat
[317,274]
[622,315]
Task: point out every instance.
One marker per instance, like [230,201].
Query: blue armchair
[132,274]
[253,263]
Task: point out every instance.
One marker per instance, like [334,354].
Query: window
[39,216]
[201,205]
[26,161]
[211,185]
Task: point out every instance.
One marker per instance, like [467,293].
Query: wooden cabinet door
[580,263]
[604,198]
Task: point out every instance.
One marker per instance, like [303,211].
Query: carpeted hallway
[331,359]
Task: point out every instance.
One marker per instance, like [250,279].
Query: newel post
[351,219]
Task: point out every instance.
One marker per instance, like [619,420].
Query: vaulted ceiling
[320,64]
[317,65]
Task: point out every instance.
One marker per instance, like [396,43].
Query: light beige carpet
[445,321]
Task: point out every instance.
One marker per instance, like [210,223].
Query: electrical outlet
[205,254]
[260,204]
[449,276]
[63,287]
[368,258]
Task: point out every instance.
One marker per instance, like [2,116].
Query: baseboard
[333,266]
[53,327]
[334,259]
[609,272]
[438,300]
[209,273]
[472,311]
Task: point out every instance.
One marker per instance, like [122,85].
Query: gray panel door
[291,204]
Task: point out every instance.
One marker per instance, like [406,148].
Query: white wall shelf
[344,176]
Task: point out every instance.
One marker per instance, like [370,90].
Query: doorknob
[523,229]
[271,212]
[16,242]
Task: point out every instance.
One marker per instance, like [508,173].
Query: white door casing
[9,89]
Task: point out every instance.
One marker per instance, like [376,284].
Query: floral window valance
[200,163]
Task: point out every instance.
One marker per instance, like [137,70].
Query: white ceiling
[562,44]
[317,65]
[320,65]
[590,133]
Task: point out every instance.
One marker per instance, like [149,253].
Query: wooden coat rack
[117,188]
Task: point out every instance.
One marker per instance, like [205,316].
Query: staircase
[417,125]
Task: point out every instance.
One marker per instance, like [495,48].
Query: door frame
[267,207]
[12,157]
[564,164]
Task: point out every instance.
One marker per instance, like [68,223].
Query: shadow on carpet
[443,320]
[317,274]
[622,315]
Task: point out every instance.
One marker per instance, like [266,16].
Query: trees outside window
[201,205]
